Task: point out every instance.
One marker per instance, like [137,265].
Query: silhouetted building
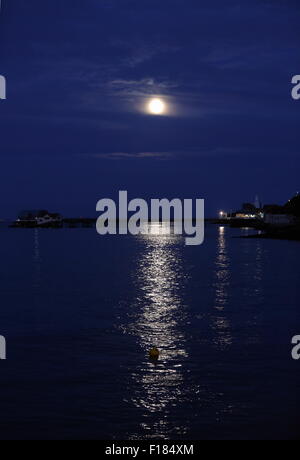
[273,209]
[38,218]
[280,220]
[249,208]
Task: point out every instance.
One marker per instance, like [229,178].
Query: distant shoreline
[266,232]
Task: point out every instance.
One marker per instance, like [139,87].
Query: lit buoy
[154,353]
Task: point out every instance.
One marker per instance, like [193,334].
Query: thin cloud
[217,152]
[132,155]
[141,87]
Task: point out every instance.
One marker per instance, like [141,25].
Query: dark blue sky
[78,71]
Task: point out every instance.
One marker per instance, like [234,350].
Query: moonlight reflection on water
[158,320]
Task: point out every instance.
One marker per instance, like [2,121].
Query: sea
[80,313]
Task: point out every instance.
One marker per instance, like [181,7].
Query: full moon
[157,107]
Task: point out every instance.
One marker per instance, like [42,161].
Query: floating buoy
[154,353]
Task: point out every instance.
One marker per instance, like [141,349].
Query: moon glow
[156,107]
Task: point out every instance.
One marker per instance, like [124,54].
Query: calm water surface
[80,312]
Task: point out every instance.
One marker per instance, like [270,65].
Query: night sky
[78,71]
